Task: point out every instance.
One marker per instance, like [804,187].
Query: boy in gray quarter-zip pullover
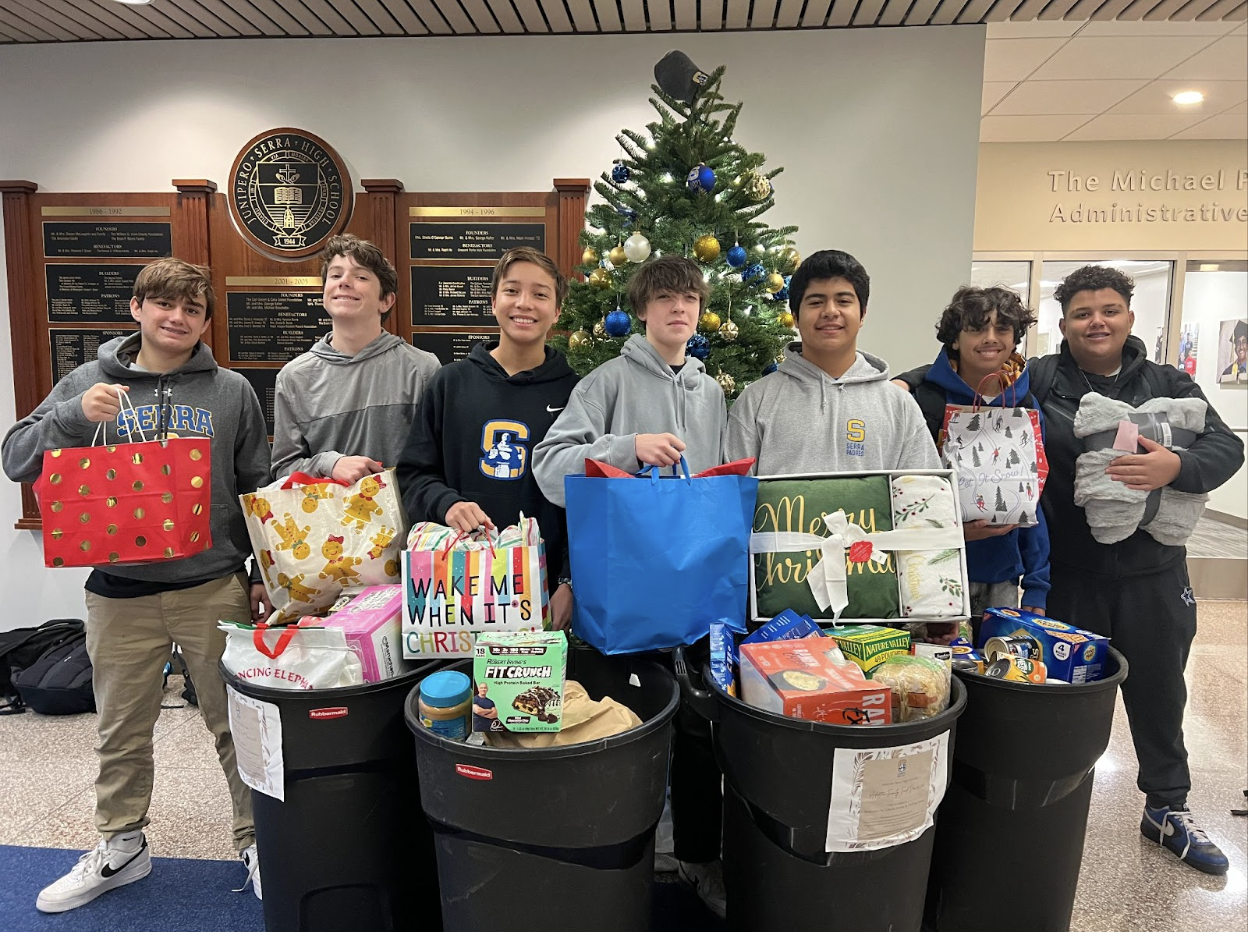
[135,613]
[343,408]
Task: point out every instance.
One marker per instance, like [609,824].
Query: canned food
[968,665]
[1016,670]
[1021,646]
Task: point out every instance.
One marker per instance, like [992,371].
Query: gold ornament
[786,320]
[726,382]
[600,330]
[790,259]
[729,331]
[616,256]
[589,256]
[706,248]
[600,278]
[779,360]
[756,186]
[709,322]
[579,339]
[775,281]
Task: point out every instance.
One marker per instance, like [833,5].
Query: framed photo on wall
[1233,351]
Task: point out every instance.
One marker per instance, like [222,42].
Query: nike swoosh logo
[553,410]
[108,870]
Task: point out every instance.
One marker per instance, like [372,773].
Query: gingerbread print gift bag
[315,538]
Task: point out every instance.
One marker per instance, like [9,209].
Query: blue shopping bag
[657,559]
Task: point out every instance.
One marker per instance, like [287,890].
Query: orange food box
[799,679]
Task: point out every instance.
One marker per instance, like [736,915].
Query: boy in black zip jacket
[1135,592]
[468,461]
[136,612]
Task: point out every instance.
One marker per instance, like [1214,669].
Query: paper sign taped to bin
[257,730]
[883,797]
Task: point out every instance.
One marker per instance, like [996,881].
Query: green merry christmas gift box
[866,546]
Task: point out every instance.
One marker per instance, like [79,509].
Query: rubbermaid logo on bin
[474,773]
[335,711]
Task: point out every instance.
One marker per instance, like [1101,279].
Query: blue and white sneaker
[1176,829]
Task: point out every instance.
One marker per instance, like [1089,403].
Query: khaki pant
[129,641]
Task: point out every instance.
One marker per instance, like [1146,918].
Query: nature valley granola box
[870,645]
[518,681]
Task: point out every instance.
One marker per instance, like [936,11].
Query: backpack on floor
[21,647]
[59,682]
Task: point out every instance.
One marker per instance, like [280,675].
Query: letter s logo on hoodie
[855,437]
[505,455]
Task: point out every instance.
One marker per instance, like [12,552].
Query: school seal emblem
[289,192]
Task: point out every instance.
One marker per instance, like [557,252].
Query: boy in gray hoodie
[829,407]
[650,406]
[343,408]
[136,612]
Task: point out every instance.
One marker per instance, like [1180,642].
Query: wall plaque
[289,192]
[71,348]
[473,240]
[273,326]
[97,294]
[454,296]
[450,347]
[103,239]
[264,382]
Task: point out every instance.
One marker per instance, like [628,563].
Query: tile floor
[47,767]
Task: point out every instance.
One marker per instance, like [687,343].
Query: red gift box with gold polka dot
[126,502]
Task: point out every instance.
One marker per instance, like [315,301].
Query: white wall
[877,131]
[1208,299]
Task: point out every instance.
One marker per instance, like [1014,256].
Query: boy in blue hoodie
[979,330]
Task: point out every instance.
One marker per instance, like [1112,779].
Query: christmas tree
[685,188]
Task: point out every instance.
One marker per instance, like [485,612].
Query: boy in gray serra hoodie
[136,612]
[343,408]
[828,408]
[652,404]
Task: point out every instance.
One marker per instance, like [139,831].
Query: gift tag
[1128,436]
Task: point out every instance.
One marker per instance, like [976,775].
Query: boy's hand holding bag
[126,503]
[655,560]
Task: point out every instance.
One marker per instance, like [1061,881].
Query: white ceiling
[1079,82]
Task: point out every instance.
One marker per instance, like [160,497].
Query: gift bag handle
[302,478]
[123,399]
[655,472]
[977,403]
[283,640]
[460,535]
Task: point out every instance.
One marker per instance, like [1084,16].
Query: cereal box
[519,680]
[372,621]
[798,679]
[1068,653]
[870,645]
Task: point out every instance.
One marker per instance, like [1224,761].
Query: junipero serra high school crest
[289,192]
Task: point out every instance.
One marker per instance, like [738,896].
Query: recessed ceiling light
[1188,97]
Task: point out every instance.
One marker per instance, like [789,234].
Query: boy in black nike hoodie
[136,612]
[468,461]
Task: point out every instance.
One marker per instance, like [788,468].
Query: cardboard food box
[870,645]
[723,657]
[522,674]
[798,679]
[786,626]
[881,588]
[372,621]
[1069,653]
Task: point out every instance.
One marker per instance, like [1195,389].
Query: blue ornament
[628,214]
[618,324]
[770,368]
[754,273]
[620,173]
[781,296]
[736,256]
[698,346]
[701,178]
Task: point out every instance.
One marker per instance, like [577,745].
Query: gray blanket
[1114,511]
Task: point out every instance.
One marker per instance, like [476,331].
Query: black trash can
[349,849]
[1017,806]
[778,875]
[559,839]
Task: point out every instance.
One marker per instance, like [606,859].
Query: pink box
[373,623]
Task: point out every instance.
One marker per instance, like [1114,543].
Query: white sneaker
[251,860]
[707,881]
[665,863]
[112,863]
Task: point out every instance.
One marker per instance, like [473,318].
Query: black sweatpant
[696,780]
[1151,620]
